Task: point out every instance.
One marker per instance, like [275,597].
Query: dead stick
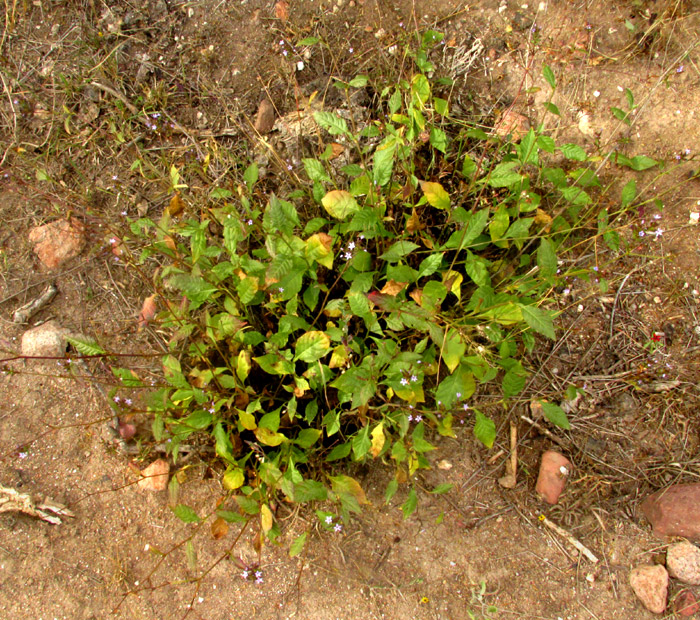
[569,538]
[27,311]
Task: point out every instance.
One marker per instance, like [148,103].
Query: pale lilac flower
[245,574]
[414,378]
[128,401]
[351,245]
[404,381]
[329,519]
[337,527]
[419,418]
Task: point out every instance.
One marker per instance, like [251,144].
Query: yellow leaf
[393,288]
[267,437]
[378,440]
[265,518]
[543,220]
[453,283]
[435,194]
[233,479]
[339,357]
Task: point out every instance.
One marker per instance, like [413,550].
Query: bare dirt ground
[479,551]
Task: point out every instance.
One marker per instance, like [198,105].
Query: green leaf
[453,349]
[230,517]
[332,123]
[460,382]
[642,162]
[629,193]
[441,489]
[383,163]
[315,170]
[185,514]
[312,346]
[547,258]
[504,175]
[310,491]
[391,489]
[549,76]
[435,194]
[409,506]
[307,437]
[283,215]
[340,203]
[195,288]
[539,320]
[546,144]
[550,107]
[441,106]
[573,151]
[430,265]
[85,346]
[251,175]
[484,429]
[339,452]
[438,139]
[309,41]
[361,443]
[298,545]
[468,167]
[420,88]
[513,383]
[398,250]
[359,81]
[191,555]
[555,414]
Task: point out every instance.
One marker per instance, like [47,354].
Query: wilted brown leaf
[219,528]
[265,119]
[413,223]
[417,295]
[176,206]
[536,410]
[512,122]
[336,150]
[155,476]
[393,288]
[148,311]
[282,10]
[543,220]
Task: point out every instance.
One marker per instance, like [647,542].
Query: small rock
[650,584]
[683,562]
[155,476]
[554,471]
[265,119]
[57,242]
[675,511]
[47,340]
[685,604]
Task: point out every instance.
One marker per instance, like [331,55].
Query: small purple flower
[116,399]
[337,527]
[124,213]
[458,394]
[128,401]
[465,407]
[404,381]
[680,69]
[259,580]
[419,417]
[284,52]
[347,255]
[351,245]
[414,378]
[641,233]
[281,289]
[351,50]
[658,232]
[258,574]
[245,574]
[329,519]
[410,417]
[250,222]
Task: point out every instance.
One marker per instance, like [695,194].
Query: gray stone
[650,584]
[683,562]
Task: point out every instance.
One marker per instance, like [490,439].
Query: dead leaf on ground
[155,476]
[148,311]
[282,10]
[336,150]
[176,205]
[219,528]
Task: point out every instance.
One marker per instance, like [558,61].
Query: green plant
[351,316]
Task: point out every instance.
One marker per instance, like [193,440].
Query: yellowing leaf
[243,365]
[339,357]
[393,288]
[378,440]
[265,518]
[319,248]
[435,194]
[233,479]
[453,283]
[543,220]
[340,203]
[267,437]
[312,346]
[247,420]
